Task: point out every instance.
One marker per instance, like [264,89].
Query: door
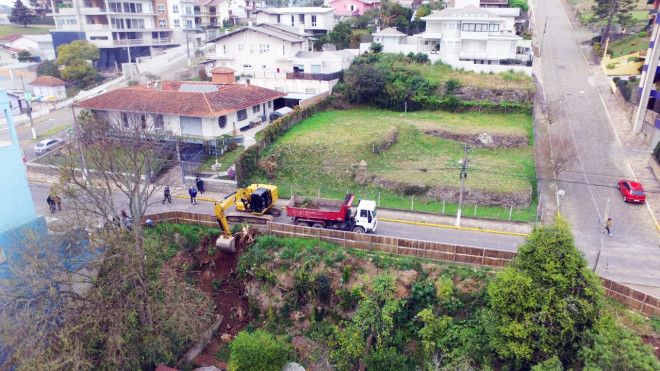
[191,126]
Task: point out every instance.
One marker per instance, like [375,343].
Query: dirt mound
[471,93]
[378,146]
[482,140]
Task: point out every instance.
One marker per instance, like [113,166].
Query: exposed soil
[482,140]
[654,342]
[229,298]
[471,93]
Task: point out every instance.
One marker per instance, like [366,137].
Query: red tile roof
[227,99]
[222,70]
[11,37]
[47,81]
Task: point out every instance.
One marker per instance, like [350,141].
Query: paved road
[632,254]
[435,234]
[60,119]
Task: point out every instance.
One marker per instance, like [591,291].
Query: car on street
[632,191]
[47,145]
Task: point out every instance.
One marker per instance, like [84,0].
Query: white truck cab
[365,215]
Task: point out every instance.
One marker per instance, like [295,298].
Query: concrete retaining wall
[631,298]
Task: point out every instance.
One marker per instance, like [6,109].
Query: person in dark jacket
[193,195]
[51,204]
[200,185]
[166,195]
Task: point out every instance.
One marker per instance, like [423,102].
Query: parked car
[47,145]
[632,191]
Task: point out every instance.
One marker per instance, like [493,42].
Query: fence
[633,299]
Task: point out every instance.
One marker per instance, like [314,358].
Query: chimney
[222,75]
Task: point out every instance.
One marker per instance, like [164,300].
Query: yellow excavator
[255,204]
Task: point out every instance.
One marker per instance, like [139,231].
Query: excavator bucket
[226,243]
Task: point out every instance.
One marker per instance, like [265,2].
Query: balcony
[135,42]
[314,76]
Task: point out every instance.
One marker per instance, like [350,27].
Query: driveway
[589,120]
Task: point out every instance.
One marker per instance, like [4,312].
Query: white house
[469,37]
[8,54]
[48,88]
[315,20]
[258,51]
[192,110]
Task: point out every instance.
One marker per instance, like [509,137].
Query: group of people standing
[192,192]
[54,203]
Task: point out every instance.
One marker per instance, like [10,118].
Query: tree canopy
[613,11]
[74,58]
[20,14]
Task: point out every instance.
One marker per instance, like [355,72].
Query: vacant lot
[631,44]
[396,155]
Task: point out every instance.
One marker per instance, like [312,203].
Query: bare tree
[558,154]
[552,111]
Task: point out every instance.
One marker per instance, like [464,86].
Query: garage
[191,126]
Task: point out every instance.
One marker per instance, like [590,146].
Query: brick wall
[633,299]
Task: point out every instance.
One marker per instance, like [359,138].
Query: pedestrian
[51,204]
[127,220]
[166,195]
[200,184]
[58,202]
[193,195]
[608,226]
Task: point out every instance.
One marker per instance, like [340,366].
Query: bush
[258,351]
[376,47]
[388,359]
[322,288]
[452,85]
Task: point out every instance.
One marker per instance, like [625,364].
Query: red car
[632,191]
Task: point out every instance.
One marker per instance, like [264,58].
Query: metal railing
[314,76]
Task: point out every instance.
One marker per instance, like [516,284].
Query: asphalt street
[52,125]
[434,234]
[632,254]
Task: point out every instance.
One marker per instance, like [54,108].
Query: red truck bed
[319,208]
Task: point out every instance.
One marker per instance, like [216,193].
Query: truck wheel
[302,224]
[358,230]
[317,225]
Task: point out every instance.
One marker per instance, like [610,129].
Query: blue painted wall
[16,205]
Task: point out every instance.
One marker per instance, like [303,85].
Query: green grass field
[321,156]
[631,44]
[7,30]
[440,73]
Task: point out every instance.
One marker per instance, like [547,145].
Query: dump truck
[333,214]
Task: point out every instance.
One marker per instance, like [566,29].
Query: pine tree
[20,14]
[613,10]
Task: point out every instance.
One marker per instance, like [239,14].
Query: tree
[522,4]
[376,47]
[74,59]
[546,302]
[20,14]
[258,351]
[612,11]
[24,56]
[365,84]
[340,35]
[48,68]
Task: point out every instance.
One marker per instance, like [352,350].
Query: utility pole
[178,158]
[28,110]
[464,164]
[83,163]
[602,234]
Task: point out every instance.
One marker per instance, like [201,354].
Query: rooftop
[295,10]
[390,31]
[182,98]
[47,81]
[282,32]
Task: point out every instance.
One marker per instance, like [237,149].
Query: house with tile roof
[353,8]
[193,111]
[315,20]
[48,88]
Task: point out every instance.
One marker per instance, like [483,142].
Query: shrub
[376,47]
[611,66]
[258,351]
[388,359]
[322,288]
[598,49]
[452,85]
[133,83]
[349,299]
[217,284]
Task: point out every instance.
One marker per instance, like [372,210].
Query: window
[175,9]
[256,109]
[189,24]
[352,8]
[313,21]
[115,7]
[494,28]
[124,119]
[264,48]
[98,38]
[162,23]
[364,213]
[293,20]
[177,23]
[270,104]
[222,122]
[242,115]
[316,68]
[117,23]
[301,18]
[161,8]
[241,47]
[224,49]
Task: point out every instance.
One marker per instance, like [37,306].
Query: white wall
[294,85]
[50,91]
[324,21]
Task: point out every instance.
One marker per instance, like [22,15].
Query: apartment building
[122,30]
[647,117]
[315,20]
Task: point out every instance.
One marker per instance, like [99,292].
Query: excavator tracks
[241,217]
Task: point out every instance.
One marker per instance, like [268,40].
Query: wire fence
[387,199]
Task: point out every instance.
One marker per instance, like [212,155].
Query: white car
[47,145]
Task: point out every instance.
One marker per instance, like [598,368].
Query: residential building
[258,50]
[37,45]
[194,111]
[470,37]
[17,103]
[8,55]
[494,3]
[647,118]
[48,88]
[123,31]
[315,20]
[352,8]
[4,19]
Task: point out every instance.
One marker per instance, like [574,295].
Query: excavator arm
[220,208]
